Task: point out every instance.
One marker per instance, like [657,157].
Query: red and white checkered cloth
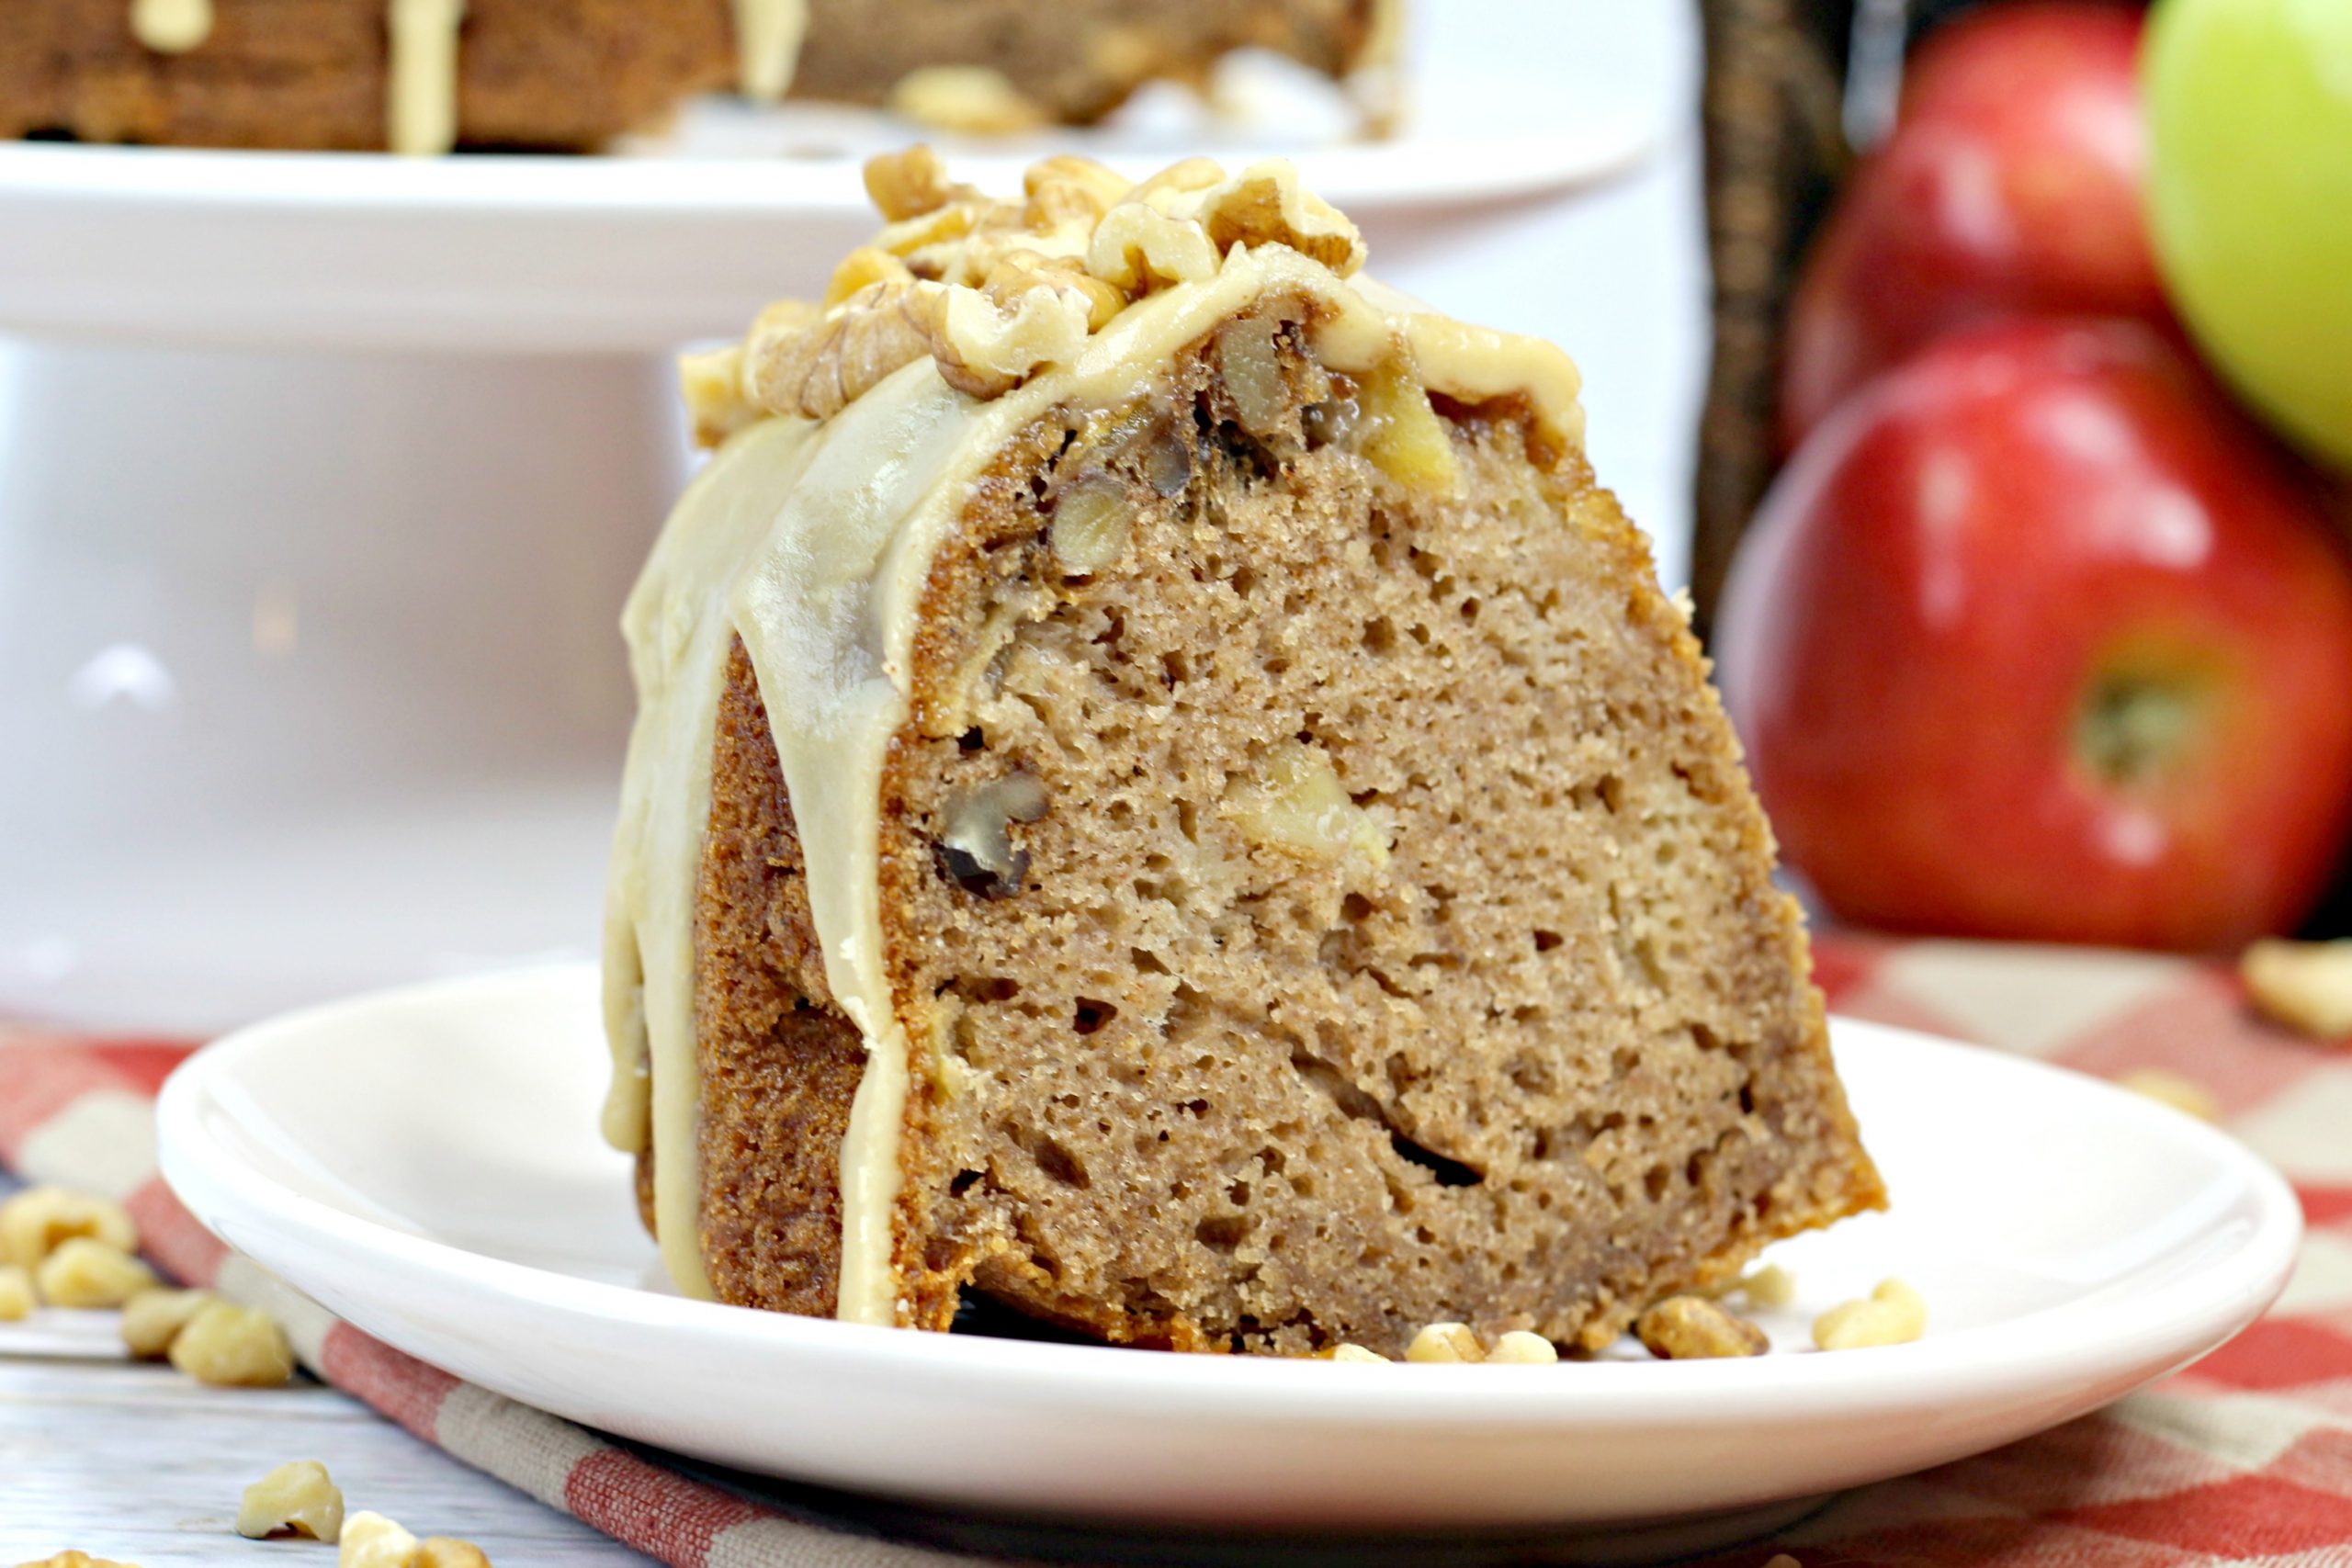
[2247,1458]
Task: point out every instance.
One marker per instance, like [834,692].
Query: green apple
[2250,105]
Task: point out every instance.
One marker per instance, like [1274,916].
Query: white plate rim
[521,187]
[2176,1325]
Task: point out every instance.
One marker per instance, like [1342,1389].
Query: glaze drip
[420,81]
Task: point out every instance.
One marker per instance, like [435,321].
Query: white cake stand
[322,477]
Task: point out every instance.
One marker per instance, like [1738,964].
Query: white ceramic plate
[425,1163]
[688,234]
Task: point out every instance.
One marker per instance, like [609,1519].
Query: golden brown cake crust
[1553,1056]
[311,73]
[777,1065]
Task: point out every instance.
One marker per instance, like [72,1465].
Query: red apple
[2012,185]
[2037,637]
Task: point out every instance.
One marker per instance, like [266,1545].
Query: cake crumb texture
[1504,1024]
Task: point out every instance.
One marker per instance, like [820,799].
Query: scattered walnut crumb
[1771,1286]
[1446,1342]
[2306,985]
[39,1220]
[1692,1328]
[1347,1352]
[17,1298]
[153,1319]
[2184,1094]
[1519,1347]
[76,1559]
[371,1541]
[1893,1313]
[297,1498]
[233,1347]
[87,1272]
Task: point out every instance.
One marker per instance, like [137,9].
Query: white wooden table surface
[136,1462]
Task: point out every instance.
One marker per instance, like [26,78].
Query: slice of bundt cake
[1165,796]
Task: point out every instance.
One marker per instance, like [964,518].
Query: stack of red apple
[2043,633]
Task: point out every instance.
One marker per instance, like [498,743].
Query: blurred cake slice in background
[427,75]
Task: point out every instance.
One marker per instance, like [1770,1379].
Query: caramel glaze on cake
[1311,886]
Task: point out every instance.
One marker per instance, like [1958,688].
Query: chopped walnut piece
[975,847]
[371,1541]
[987,341]
[1350,1353]
[16,1297]
[1265,205]
[1182,178]
[1019,271]
[1893,1313]
[911,183]
[816,368]
[153,1319]
[76,1559]
[1446,1342]
[2183,1094]
[1066,189]
[2306,985]
[1139,249]
[929,244]
[298,1498]
[229,1346]
[1250,358]
[1692,1328]
[35,1222]
[864,266]
[977,100]
[1092,522]
[86,1273]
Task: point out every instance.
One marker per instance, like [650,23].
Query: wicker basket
[1791,87]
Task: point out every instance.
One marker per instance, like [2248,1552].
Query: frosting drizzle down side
[813,539]
[420,75]
[768,34]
